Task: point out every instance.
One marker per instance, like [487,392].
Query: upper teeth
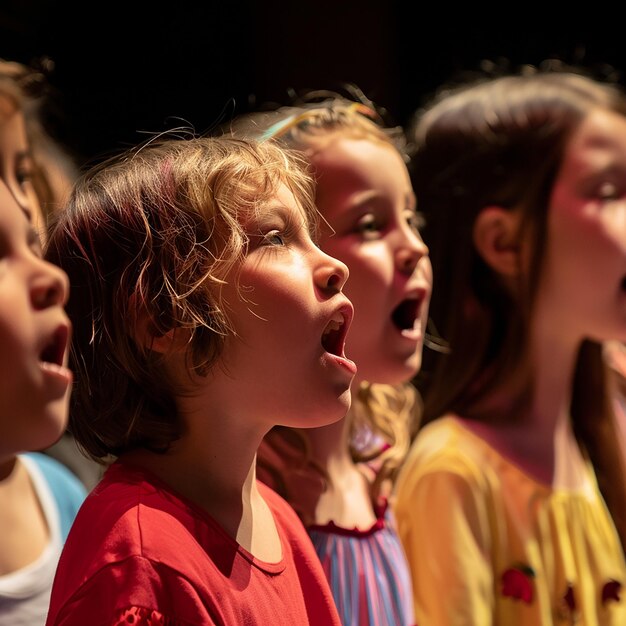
[334,324]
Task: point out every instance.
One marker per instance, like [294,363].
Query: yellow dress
[490,546]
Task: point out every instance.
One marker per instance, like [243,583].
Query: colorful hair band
[283,126]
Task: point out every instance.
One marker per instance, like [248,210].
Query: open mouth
[334,335]
[54,352]
[405,314]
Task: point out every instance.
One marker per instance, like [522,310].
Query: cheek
[584,260]
[586,240]
[17,355]
[371,268]
[366,297]
[614,222]
[364,332]
[273,311]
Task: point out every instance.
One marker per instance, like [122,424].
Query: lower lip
[58,374]
[413,334]
[343,362]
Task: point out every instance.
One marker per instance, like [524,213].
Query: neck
[539,437]
[329,445]
[212,464]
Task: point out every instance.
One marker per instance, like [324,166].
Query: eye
[24,176]
[24,170]
[274,238]
[416,221]
[22,185]
[31,239]
[368,226]
[607,191]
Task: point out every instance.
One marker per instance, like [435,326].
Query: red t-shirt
[140,554]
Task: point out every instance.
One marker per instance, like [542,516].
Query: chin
[346,402]
[396,372]
[51,432]
[343,406]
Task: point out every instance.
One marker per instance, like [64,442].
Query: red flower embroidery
[569,599]
[611,591]
[517,583]
[140,616]
[566,610]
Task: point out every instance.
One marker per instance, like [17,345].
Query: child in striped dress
[338,477]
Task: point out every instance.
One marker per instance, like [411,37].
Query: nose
[49,286]
[330,274]
[409,252]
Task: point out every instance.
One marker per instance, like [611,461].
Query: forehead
[348,152]
[8,106]
[12,126]
[285,201]
[349,165]
[599,142]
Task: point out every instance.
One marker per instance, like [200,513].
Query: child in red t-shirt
[204,314]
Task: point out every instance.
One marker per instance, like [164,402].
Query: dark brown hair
[500,141]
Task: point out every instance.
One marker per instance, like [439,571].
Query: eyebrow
[291,216]
[411,201]
[365,197]
[612,168]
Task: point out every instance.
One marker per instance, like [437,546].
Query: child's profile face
[290,319]
[34,335]
[364,193]
[583,286]
[16,164]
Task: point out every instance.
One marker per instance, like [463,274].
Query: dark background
[123,70]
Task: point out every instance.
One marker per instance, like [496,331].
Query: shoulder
[447,443]
[130,515]
[130,498]
[446,457]
[131,527]
[56,473]
[117,588]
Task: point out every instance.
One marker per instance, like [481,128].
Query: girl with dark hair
[512,502]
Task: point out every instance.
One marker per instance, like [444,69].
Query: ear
[145,336]
[144,331]
[495,235]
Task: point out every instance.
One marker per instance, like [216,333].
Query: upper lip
[416,292]
[55,347]
[335,331]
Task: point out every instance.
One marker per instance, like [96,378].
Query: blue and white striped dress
[368,572]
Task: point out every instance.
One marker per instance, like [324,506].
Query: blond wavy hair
[153,233]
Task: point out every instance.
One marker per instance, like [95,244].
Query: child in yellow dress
[511,503]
